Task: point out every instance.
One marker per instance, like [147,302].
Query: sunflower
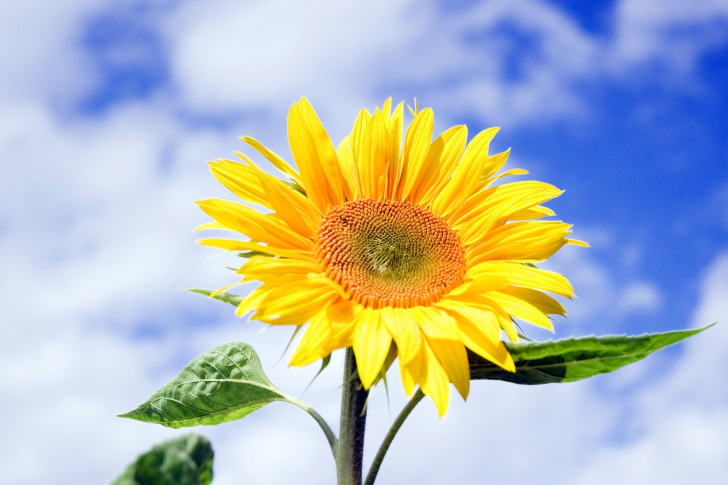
[397,250]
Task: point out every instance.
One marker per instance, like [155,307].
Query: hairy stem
[350,448]
[330,436]
[372,475]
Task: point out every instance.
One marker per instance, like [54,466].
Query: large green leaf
[223,384]
[182,461]
[574,359]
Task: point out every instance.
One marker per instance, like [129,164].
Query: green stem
[350,448]
[330,436]
[372,475]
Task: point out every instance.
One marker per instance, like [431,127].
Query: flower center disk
[389,253]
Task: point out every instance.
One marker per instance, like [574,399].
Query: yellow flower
[393,249]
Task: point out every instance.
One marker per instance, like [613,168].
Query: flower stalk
[372,475]
[350,447]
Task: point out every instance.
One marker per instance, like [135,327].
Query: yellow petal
[416,144]
[391,357]
[394,124]
[349,170]
[212,225]
[264,268]
[236,245]
[379,155]
[287,206]
[250,302]
[303,147]
[273,158]
[294,303]
[521,275]
[408,381]
[371,154]
[371,344]
[441,160]
[435,323]
[295,197]
[454,360]
[540,300]
[576,242]
[267,228]
[414,371]
[448,167]
[404,330]
[480,284]
[485,209]
[492,307]
[257,226]
[360,142]
[342,315]
[529,242]
[536,212]
[521,309]
[494,163]
[241,180]
[513,171]
[326,153]
[422,176]
[485,320]
[466,178]
[479,331]
[225,288]
[387,109]
[434,381]
[312,344]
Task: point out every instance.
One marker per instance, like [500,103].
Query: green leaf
[223,384]
[183,461]
[228,298]
[574,359]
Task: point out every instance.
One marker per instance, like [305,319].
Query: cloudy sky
[109,111]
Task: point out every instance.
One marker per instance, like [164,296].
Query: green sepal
[182,461]
[324,364]
[574,359]
[250,254]
[228,298]
[294,185]
[223,384]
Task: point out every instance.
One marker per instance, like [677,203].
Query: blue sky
[110,109]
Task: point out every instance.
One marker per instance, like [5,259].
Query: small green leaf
[183,461]
[228,298]
[574,359]
[223,384]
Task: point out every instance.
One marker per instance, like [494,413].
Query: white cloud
[37,40]
[683,418]
[342,55]
[674,32]
[639,297]
[263,54]
[255,54]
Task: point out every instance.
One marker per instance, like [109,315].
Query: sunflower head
[395,247]
[389,253]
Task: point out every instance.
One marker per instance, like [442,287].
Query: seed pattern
[389,253]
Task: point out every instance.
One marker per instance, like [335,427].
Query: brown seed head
[389,253]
